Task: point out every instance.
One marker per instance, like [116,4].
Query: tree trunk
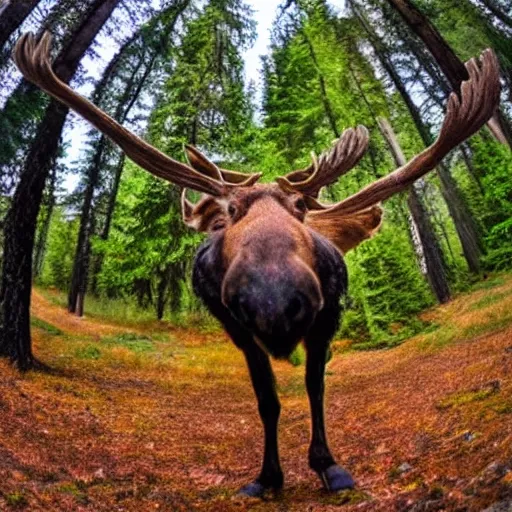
[45,221]
[105,232]
[450,64]
[161,298]
[84,233]
[19,232]
[21,218]
[323,89]
[433,257]
[12,15]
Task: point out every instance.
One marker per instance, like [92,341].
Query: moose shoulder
[272,269]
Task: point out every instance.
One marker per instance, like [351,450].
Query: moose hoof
[336,479]
[255,490]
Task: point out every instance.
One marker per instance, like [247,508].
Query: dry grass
[141,418]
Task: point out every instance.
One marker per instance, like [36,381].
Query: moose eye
[218,226]
[300,204]
[231,210]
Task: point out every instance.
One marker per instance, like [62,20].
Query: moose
[272,268]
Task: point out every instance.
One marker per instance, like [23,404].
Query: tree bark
[432,253]
[42,236]
[444,55]
[79,276]
[12,16]
[21,219]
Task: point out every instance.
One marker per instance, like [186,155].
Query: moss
[16,500]
[76,489]
[349,497]
[459,399]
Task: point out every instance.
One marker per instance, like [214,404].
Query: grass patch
[386,340]
[467,397]
[489,300]
[45,326]
[298,356]
[118,311]
[138,343]
[494,324]
[88,352]
[489,283]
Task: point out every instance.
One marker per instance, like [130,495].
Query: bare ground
[169,422]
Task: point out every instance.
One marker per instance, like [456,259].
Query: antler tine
[464,117]
[204,165]
[347,152]
[33,60]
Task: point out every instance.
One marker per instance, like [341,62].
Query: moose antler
[464,117]
[202,164]
[33,60]
[345,155]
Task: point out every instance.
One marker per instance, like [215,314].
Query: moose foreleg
[262,377]
[334,477]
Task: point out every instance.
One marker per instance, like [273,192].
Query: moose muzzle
[276,301]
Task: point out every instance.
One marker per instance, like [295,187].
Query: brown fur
[267,208]
[346,231]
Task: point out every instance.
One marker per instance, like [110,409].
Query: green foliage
[494,162]
[298,356]
[59,253]
[386,292]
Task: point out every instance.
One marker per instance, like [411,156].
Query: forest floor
[153,417]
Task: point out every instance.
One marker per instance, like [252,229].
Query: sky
[265,12]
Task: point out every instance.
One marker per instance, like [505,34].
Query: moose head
[272,268]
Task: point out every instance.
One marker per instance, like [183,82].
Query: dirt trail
[171,424]
[57,316]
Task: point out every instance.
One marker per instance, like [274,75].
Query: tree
[460,213]
[203,102]
[12,15]
[452,66]
[139,54]
[21,219]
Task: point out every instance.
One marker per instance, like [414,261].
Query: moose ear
[346,231]
[206,216]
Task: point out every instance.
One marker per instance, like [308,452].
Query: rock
[100,474]
[468,436]
[404,467]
